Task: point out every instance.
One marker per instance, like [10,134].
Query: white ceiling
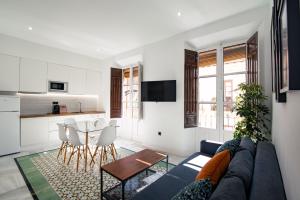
[102,28]
[242,33]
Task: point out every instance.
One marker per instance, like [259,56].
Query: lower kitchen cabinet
[34,131]
[43,131]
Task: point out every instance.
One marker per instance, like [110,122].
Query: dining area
[87,143]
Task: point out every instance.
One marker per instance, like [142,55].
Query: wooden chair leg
[60,149]
[115,150]
[93,157]
[112,152]
[101,157]
[72,153]
[65,153]
[105,153]
[91,154]
[78,158]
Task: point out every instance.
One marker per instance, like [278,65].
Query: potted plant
[252,111]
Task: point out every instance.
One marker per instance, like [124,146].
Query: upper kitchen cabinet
[77,82]
[9,73]
[33,76]
[58,72]
[93,82]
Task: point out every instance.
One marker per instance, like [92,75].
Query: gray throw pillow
[200,190]
[231,145]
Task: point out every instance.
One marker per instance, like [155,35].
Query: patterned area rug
[49,178]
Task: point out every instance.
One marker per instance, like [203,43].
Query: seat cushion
[241,166]
[164,188]
[248,144]
[200,190]
[171,183]
[229,188]
[215,168]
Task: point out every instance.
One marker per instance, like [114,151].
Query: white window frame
[131,66]
[220,133]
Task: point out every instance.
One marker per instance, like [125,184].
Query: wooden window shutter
[190,89]
[116,93]
[252,59]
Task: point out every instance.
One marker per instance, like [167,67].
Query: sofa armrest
[209,147]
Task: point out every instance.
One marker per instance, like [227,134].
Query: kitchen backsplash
[41,104]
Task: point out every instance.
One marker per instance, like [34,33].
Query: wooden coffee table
[130,166]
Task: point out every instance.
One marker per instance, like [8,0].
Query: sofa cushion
[171,183]
[267,182]
[229,188]
[248,144]
[231,145]
[164,188]
[215,168]
[241,166]
[201,190]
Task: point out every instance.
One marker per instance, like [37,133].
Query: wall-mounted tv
[159,91]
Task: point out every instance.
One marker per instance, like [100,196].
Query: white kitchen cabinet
[9,73]
[33,76]
[59,73]
[77,81]
[93,82]
[34,131]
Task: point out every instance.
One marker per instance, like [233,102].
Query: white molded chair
[99,123]
[106,143]
[77,145]
[71,122]
[62,135]
[112,122]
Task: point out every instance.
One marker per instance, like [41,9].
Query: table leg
[86,149]
[101,177]
[167,161]
[123,190]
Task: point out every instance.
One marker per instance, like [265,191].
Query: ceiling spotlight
[30,28]
[178,14]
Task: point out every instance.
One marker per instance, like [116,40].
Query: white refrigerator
[9,125]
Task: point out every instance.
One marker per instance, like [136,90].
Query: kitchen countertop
[61,114]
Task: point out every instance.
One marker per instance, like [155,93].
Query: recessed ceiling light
[178,13]
[30,28]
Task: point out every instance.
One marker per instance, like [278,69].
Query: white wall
[164,60]
[286,137]
[285,119]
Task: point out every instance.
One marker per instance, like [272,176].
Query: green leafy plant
[253,113]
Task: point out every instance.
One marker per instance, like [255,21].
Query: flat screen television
[159,91]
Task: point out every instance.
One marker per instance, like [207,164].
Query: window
[207,89]
[234,62]
[221,70]
[131,92]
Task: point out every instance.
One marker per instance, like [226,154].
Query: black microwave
[55,86]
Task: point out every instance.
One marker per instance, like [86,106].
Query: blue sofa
[253,174]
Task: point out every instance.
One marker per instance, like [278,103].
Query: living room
[111,53]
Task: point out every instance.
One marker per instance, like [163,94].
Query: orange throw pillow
[215,168]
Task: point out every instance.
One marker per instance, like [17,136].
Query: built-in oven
[56,86]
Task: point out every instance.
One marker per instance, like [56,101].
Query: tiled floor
[12,184]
